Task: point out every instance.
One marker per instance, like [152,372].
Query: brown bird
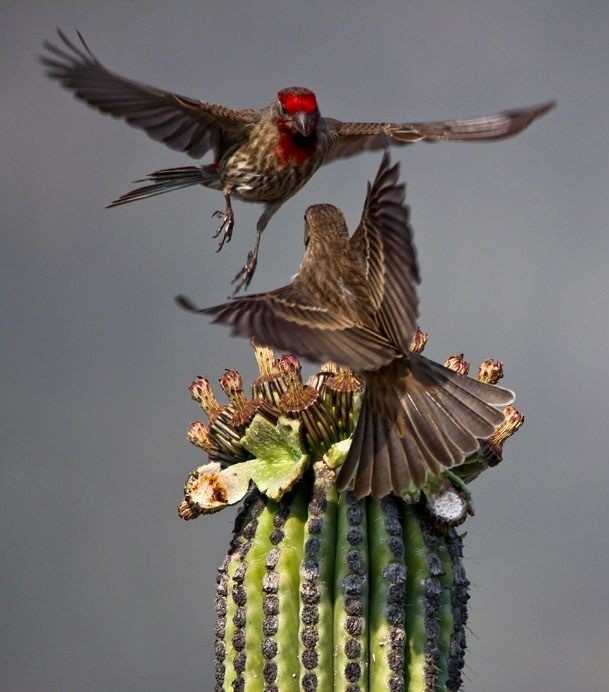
[259,155]
[354,301]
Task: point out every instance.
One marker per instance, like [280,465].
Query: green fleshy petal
[273,478]
[273,443]
[280,461]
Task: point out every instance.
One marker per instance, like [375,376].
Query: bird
[262,155]
[354,301]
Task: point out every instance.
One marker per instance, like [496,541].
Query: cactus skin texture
[321,592]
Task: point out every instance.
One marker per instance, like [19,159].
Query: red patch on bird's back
[297,100]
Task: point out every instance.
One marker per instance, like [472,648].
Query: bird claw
[225,231]
[244,275]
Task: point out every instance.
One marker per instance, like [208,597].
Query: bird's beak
[304,123]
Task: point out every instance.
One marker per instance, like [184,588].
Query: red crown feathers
[297,99]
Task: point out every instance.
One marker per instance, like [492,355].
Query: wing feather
[184,124]
[353,138]
[384,241]
[287,320]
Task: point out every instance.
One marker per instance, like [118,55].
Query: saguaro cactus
[320,591]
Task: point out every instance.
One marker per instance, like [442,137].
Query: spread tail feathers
[167,180]
[427,419]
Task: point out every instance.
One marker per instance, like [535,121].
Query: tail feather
[429,419]
[381,478]
[428,434]
[370,450]
[463,410]
[166,180]
[400,474]
[456,438]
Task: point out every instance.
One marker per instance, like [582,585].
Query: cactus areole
[320,591]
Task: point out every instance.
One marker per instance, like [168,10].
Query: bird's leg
[228,222]
[245,274]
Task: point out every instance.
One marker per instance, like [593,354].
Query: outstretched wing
[353,138]
[384,241]
[183,124]
[287,320]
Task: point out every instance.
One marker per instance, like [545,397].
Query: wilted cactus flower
[319,591]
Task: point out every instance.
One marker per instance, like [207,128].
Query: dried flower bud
[269,385]
[419,340]
[344,380]
[297,397]
[317,379]
[198,435]
[290,369]
[513,420]
[241,409]
[201,436]
[491,450]
[338,391]
[457,363]
[227,433]
[186,512]
[490,371]
[224,445]
[265,358]
[329,366]
[232,384]
[201,392]
[305,402]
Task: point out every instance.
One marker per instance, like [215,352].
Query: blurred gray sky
[104,587]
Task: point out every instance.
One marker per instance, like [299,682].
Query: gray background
[104,588]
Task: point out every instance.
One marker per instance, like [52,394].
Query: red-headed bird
[354,301]
[259,155]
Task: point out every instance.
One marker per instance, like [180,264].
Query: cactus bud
[198,435]
[419,340]
[186,512]
[490,371]
[269,385]
[317,380]
[201,392]
[305,402]
[491,450]
[513,420]
[242,410]
[457,363]
[338,391]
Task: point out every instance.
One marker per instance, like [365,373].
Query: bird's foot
[225,231]
[244,275]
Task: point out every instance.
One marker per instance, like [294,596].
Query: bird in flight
[354,301]
[259,155]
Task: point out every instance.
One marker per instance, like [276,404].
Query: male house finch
[354,301]
[259,155]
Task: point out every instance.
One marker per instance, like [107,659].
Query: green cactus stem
[321,592]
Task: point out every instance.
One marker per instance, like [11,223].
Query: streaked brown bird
[354,301]
[259,155]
